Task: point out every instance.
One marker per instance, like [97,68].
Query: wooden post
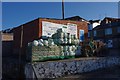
[20,52]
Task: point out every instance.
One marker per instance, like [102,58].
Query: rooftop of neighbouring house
[76,18]
[93,21]
[108,25]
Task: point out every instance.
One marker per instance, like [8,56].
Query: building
[108,31]
[41,27]
[7,44]
[92,24]
[76,18]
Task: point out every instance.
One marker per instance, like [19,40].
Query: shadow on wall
[7,48]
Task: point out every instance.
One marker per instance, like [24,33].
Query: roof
[93,21]
[75,18]
[110,18]
[113,24]
[11,30]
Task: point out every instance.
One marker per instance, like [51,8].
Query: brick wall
[33,30]
[30,32]
[80,25]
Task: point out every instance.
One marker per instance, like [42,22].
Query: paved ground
[112,73]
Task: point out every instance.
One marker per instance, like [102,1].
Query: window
[88,34]
[95,33]
[108,31]
[81,34]
[118,29]
[90,27]
[109,43]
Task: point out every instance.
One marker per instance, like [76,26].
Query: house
[41,27]
[7,44]
[76,18]
[92,24]
[108,31]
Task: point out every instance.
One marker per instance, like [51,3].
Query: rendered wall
[55,69]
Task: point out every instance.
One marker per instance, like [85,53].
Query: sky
[17,13]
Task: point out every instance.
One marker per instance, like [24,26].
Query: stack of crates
[69,44]
[61,45]
[42,53]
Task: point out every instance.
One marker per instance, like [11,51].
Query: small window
[108,31]
[95,33]
[118,29]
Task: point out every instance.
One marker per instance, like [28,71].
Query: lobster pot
[35,43]
[69,36]
[40,43]
[61,41]
[60,30]
[41,40]
[72,36]
[65,48]
[61,51]
[76,41]
[56,41]
[72,53]
[60,35]
[73,48]
[50,42]
[72,41]
[55,36]
[66,53]
[69,41]
[65,35]
[69,48]
[65,41]
[45,42]
[41,53]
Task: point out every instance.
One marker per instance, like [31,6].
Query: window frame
[108,31]
[118,29]
[94,33]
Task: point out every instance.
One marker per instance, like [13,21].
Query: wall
[80,25]
[93,25]
[10,68]
[30,32]
[7,48]
[7,44]
[7,36]
[33,30]
[55,69]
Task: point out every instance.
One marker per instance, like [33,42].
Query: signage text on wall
[49,28]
